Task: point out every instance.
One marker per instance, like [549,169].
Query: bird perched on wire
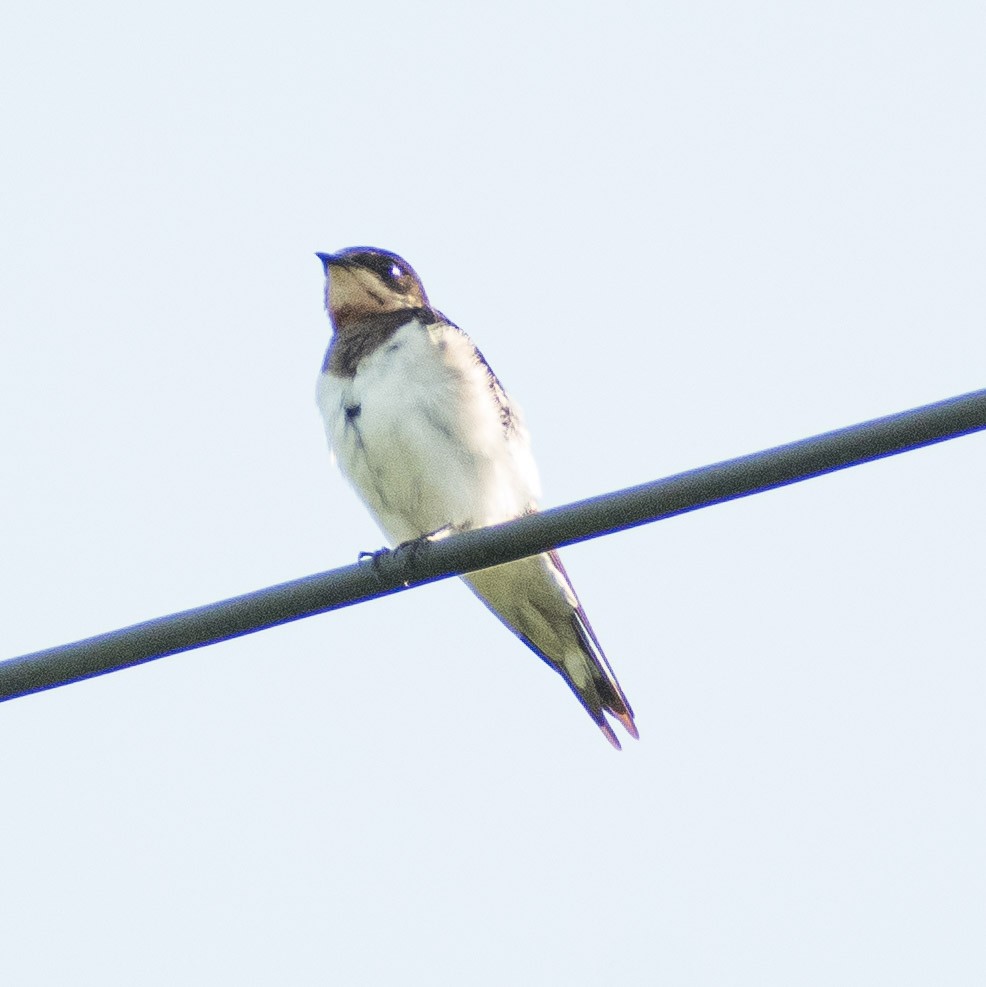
[425,432]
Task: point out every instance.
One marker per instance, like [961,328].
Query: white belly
[419,434]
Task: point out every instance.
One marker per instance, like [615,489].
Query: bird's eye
[395,273]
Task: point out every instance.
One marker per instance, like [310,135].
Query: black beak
[326,260]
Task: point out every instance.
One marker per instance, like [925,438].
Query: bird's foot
[409,549]
[375,558]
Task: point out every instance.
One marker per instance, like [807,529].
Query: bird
[424,431]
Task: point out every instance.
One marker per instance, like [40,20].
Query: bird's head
[362,282]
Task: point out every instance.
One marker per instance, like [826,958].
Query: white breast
[420,435]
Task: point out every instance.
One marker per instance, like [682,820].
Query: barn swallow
[422,428]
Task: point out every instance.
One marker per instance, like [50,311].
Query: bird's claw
[374,557]
[409,549]
[412,548]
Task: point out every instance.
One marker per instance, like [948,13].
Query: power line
[413,565]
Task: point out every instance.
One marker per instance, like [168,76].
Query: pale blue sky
[679,232]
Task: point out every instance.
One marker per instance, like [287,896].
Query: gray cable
[420,563]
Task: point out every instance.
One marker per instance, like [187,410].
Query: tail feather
[604,693]
[609,696]
[535,599]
